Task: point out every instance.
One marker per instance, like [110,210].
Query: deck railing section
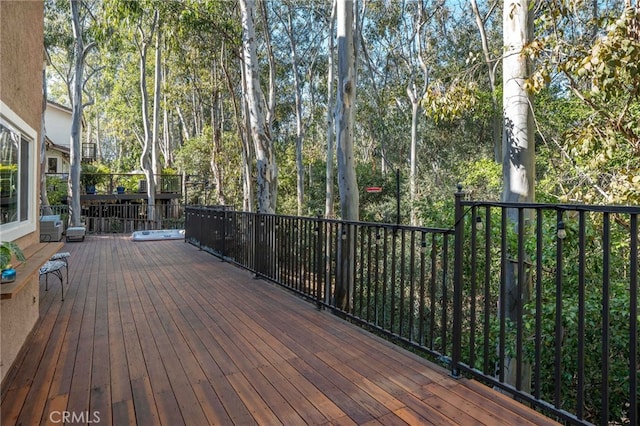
[547,300]
[538,300]
[124,218]
[401,284]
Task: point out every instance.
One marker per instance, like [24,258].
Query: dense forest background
[164,88]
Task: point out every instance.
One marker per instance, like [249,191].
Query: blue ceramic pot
[8,275]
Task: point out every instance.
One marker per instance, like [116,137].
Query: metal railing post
[457,283]
[319,261]
[224,235]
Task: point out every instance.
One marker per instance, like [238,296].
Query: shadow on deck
[162,333]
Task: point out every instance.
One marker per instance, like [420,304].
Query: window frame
[13,230]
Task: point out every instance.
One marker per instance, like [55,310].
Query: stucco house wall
[21,65]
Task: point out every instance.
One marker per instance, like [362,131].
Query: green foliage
[450,103]
[8,249]
[593,71]
[56,190]
[94,174]
[194,155]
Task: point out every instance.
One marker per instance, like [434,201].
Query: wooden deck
[162,333]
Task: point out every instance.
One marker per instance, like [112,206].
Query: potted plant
[92,175]
[8,249]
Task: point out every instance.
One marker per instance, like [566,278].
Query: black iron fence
[537,300]
[400,283]
[547,297]
[102,217]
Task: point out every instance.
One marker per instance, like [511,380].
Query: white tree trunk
[299,124]
[518,150]
[155,141]
[347,181]
[329,210]
[44,198]
[145,156]
[518,154]
[413,161]
[266,170]
[76,117]
[416,91]
[345,105]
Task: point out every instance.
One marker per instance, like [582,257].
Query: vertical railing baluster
[445,295]
[606,256]
[520,288]
[581,314]
[392,286]
[487,291]
[432,291]
[376,302]
[475,220]
[502,310]
[558,313]
[458,260]
[403,260]
[421,315]
[633,326]
[385,274]
[538,335]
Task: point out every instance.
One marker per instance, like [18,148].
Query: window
[52,165]
[18,198]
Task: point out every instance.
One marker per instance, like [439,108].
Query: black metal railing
[537,300]
[548,305]
[400,282]
[124,217]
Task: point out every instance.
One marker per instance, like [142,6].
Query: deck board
[163,333]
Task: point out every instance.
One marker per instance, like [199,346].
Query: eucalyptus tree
[68,50]
[204,48]
[518,149]
[266,167]
[297,40]
[345,107]
[329,208]
[518,145]
[81,50]
[139,23]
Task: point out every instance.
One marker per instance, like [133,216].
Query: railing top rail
[625,209]
[391,226]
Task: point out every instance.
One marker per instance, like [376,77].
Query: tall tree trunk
[76,117]
[44,198]
[271,100]
[299,124]
[145,156]
[416,92]
[347,181]
[242,125]
[413,161]
[216,137]
[329,210]
[266,169]
[155,141]
[98,137]
[518,150]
